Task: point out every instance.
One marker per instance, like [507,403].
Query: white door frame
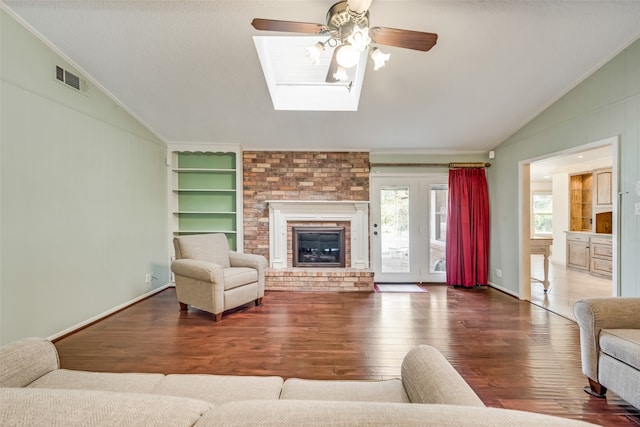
[419,202]
[524,189]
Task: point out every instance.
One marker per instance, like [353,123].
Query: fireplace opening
[318,246]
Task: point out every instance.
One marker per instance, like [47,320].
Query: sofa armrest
[24,361]
[198,270]
[595,314]
[429,378]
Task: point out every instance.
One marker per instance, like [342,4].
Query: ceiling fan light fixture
[359,6]
[347,56]
[314,52]
[379,58]
[350,35]
[359,38]
[341,74]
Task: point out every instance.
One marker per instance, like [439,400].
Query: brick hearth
[319,279]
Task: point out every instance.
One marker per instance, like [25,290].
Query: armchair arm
[198,270]
[595,314]
[248,260]
[253,261]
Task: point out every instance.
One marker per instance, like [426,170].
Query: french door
[408,227]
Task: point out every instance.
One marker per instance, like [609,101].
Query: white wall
[83,201]
[605,105]
[560,189]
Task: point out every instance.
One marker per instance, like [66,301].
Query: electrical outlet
[147,278]
[637,208]
[498,272]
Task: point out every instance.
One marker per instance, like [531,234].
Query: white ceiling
[189,69]
[576,161]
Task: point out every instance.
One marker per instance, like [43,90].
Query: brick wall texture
[290,175]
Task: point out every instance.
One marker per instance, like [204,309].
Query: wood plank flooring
[513,354]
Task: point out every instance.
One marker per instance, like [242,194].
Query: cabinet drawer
[601,241]
[601,251]
[601,267]
[578,237]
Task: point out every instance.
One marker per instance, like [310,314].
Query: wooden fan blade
[333,68]
[288,26]
[408,39]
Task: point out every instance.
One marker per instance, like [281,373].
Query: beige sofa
[610,346]
[34,391]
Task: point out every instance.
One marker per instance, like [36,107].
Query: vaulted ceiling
[189,69]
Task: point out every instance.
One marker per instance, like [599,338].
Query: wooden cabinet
[205,194]
[601,255]
[591,201]
[580,202]
[590,217]
[590,252]
[578,255]
[602,179]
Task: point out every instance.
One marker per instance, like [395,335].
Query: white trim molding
[282,211]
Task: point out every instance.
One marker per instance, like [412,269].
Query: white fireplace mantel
[282,211]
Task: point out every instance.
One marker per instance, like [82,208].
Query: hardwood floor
[513,354]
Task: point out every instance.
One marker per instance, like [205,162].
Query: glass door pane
[438,195]
[394,230]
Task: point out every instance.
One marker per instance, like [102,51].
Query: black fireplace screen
[318,246]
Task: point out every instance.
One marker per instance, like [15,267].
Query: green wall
[604,105]
[83,197]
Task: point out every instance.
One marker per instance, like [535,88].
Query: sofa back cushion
[390,390]
[24,361]
[203,247]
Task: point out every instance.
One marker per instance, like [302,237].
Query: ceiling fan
[349,34]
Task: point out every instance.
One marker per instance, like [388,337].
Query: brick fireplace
[287,189]
[316,213]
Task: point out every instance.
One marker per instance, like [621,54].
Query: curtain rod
[438,165]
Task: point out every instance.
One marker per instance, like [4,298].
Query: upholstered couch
[610,345]
[34,391]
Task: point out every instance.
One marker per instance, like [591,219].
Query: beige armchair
[213,278]
[610,345]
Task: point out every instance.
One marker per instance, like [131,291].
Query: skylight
[296,84]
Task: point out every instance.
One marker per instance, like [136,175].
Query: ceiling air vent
[71,80]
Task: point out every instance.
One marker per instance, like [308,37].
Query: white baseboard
[107,313]
[505,290]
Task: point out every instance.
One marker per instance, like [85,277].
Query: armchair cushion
[239,276]
[621,344]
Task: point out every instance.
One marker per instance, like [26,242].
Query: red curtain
[468,228]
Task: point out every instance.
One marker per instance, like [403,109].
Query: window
[542,213]
[439,194]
